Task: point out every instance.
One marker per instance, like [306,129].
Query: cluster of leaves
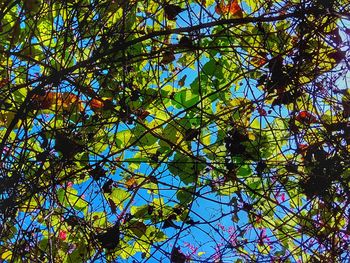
[210,131]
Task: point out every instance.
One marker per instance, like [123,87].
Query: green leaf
[183,167]
[184,196]
[185,98]
[70,197]
[119,196]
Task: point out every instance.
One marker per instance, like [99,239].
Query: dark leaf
[107,187]
[68,147]
[74,221]
[177,256]
[169,222]
[185,42]
[292,168]
[97,173]
[171,11]
[150,209]
[260,167]
[110,238]
[335,36]
[168,57]
[286,98]
[338,56]
[191,134]
[138,228]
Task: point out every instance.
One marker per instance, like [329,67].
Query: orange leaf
[96,104]
[69,101]
[131,183]
[43,102]
[258,61]
[231,8]
[234,9]
[302,149]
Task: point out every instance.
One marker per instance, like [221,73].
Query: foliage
[209,131]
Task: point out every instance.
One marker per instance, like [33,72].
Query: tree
[181,131]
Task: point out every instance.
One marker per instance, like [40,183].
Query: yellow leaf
[7,255]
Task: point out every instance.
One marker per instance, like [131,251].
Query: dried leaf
[168,57]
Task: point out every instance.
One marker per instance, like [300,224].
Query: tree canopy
[174,131]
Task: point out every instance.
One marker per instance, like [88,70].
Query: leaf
[32,6]
[168,57]
[112,205]
[97,173]
[7,255]
[70,197]
[6,118]
[119,196]
[185,42]
[108,186]
[171,11]
[337,56]
[305,117]
[184,196]
[110,238]
[96,104]
[231,8]
[346,103]
[181,82]
[32,204]
[142,114]
[185,98]
[56,101]
[67,146]
[42,101]
[183,167]
[168,222]
[177,256]
[138,228]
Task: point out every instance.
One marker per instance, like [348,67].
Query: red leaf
[305,117]
[258,61]
[62,235]
[142,114]
[262,112]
